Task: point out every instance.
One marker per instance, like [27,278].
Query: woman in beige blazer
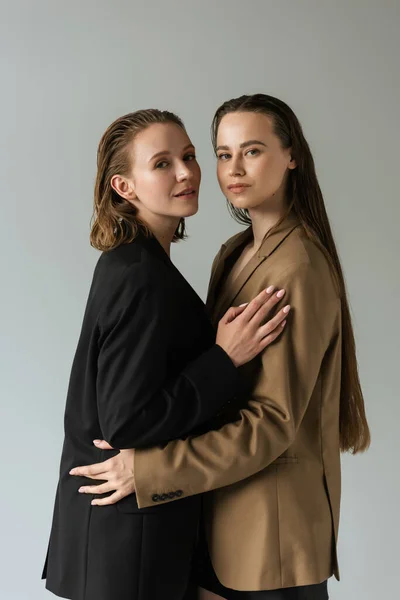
[272,459]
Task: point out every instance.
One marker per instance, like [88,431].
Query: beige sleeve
[268,425]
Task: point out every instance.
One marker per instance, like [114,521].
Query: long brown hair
[114,220]
[306,200]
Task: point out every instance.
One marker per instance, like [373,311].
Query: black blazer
[146,370]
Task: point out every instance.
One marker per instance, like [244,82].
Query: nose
[182,172]
[236,168]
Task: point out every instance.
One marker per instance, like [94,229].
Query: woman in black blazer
[148,367]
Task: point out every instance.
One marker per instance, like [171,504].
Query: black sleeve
[139,403]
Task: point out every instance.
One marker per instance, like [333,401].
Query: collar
[272,240]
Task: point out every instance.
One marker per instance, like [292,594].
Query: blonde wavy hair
[115,221]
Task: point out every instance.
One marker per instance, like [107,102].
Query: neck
[163,228]
[263,218]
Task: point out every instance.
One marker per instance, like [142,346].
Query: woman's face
[252,166]
[164,179]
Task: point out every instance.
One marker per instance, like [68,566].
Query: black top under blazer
[146,370]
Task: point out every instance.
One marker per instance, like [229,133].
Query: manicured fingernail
[72,472]
[93,503]
[287,308]
[81,489]
[244,304]
[283,323]
[280,293]
[270,289]
[96,442]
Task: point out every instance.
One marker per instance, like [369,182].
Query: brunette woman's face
[252,166]
[164,179]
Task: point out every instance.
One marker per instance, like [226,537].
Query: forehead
[239,127]
[159,137]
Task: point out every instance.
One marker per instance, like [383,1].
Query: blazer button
[171,495]
[155,498]
[163,496]
[178,493]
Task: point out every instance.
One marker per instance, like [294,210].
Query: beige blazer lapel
[273,239]
[218,268]
[232,289]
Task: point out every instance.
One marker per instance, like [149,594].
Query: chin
[244,202]
[189,211]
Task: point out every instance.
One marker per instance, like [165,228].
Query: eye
[190,156]
[253,152]
[223,156]
[162,164]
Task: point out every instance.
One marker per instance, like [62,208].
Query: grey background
[67,70]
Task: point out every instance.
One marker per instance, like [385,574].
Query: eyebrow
[243,145]
[166,152]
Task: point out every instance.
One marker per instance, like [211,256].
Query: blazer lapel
[230,291]
[219,267]
[219,305]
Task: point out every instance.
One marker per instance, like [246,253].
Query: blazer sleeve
[268,425]
[140,403]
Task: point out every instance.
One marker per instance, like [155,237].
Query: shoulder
[299,253]
[121,258]
[125,275]
[129,260]
[303,268]
[308,276]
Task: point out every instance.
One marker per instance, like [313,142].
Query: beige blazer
[272,519]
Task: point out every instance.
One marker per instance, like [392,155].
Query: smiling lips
[238,188]
[187,192]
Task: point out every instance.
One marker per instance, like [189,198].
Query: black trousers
[308,592]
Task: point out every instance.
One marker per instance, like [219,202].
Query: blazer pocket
[285,460]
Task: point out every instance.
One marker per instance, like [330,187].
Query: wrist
[231,358]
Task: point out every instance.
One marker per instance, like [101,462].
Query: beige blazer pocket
[285,460]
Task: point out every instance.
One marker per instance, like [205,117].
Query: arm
[139,403]
[268,425]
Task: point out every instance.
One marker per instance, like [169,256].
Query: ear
[292,163]
[124,187]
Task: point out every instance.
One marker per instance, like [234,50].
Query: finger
[234,312]
[254,306]
[266,308]
[116,497]
[272,336]
[90,470]
[97,489]
[100,476]
[102,444]
[273,323]
[229,316]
